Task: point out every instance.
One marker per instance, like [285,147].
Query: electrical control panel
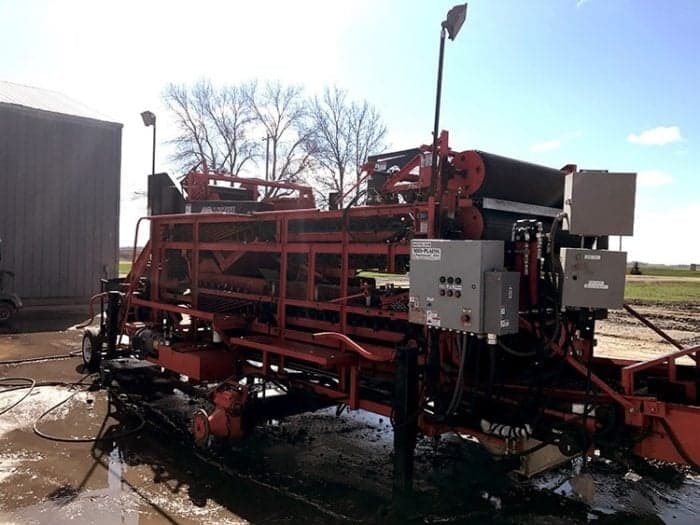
[461,285]
[599,203]
[593,278]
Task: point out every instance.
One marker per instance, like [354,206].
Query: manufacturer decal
[419,253]
[596,285]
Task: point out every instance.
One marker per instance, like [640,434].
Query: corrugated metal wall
[59,202]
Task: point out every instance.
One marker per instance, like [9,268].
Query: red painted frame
[668,429]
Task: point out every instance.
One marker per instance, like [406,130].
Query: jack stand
[405,422]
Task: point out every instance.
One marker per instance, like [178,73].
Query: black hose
[515,353]
[456,399]
[62,439]
[75,353]
[554,260]
[31,384]
[492,368]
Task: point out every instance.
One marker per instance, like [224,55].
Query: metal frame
[313,324]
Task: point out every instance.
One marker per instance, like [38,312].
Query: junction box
[593,278]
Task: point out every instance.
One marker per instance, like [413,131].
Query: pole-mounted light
[451,25]
[454,20]
[149,119]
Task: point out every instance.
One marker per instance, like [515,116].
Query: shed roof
[46,100]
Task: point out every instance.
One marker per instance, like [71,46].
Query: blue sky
[604,84]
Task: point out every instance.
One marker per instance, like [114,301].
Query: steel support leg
[112,325]
[405,420]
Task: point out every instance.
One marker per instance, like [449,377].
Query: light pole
[149,119]
[267,156]
[451,25]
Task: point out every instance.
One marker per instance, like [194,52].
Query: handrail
[629,371]
[358,349]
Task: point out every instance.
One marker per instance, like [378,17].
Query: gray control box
[461,285]
[599,203]
[593,278]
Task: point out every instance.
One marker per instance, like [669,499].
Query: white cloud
[657,136]
[556,143]
[653,178]
[659,236]
[579,3]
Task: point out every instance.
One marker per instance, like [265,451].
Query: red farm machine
[464,301]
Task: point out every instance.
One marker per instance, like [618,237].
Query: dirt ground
[622,336]
[314,468]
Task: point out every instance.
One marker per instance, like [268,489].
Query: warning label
[432,318]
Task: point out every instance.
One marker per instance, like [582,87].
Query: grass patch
[663,291]
[124,267]
[374,275]
[659,291]
[667,271]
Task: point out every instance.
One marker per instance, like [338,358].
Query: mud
[313,468]
[624,337]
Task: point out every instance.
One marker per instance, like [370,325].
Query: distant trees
[283,114]
[322,140]
[214,125]
[345,133]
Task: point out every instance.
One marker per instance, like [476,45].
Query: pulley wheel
[200,427]
[573,440]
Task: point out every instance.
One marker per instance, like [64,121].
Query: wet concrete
[312,468]
[45,319]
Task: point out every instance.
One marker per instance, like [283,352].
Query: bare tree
[333,138]
[283,114]
[345,134]
[326,139]
[368,135]
[215,125]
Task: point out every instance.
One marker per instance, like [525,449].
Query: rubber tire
[7,312]
[91,350]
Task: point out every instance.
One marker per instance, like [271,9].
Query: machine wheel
[7,311]
[91,350]
[573,440]
[200,427]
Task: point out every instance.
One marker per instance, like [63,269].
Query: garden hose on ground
[75,353]
[20,383]
[30,384]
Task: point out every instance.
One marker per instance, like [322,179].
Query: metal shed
[60,165]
